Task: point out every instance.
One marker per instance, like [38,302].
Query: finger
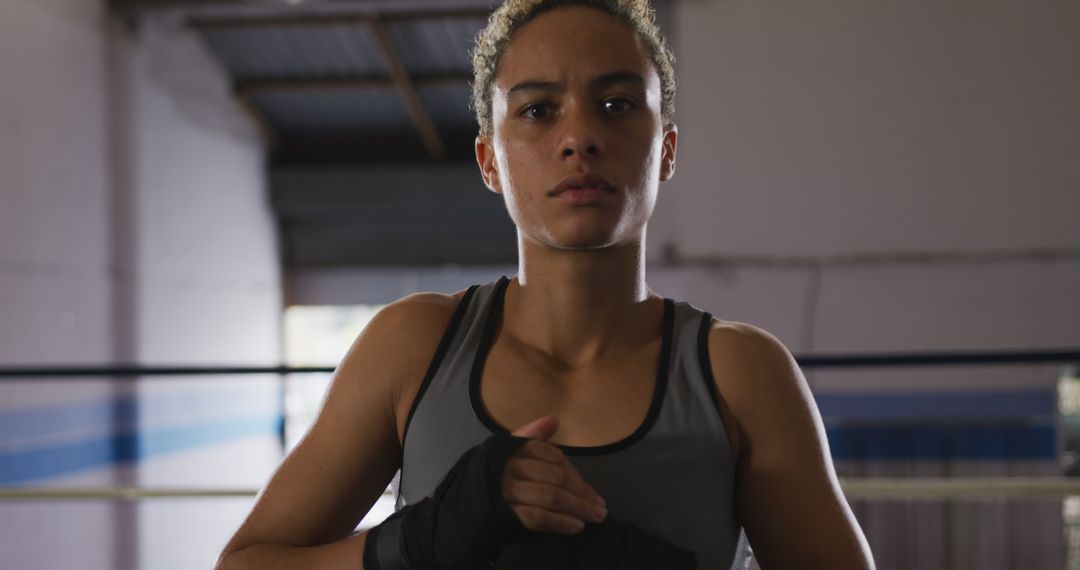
[541,520]
[556,475]
[540,428]
[543,451]
[548,453]
[554,499]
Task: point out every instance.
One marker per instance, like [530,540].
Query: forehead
[573,42]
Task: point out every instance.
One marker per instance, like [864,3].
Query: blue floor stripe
[104,414]
[52,420]
[20,467]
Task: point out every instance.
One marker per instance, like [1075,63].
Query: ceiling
[336,82]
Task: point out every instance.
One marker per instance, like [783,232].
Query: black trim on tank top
[706,361]
[659,387]
[714,392]
[436,360]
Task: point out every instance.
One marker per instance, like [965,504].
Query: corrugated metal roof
[434,47]
[298,52]
[328,76]
[334,110]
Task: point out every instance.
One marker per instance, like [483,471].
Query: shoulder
[409,323]
[396,347]
[759,382]
[740,347]
[419,312]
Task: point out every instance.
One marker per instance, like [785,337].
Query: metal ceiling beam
[249,86]
[266,130]
[300,19]
[424,126]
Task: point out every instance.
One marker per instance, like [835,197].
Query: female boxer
[568,417]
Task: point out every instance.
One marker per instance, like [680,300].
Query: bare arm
[319,493]
[788,496]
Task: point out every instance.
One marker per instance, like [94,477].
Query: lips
[583,182]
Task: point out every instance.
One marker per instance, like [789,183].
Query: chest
[596,405]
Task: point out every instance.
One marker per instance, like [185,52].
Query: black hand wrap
[610,545]
[463,525]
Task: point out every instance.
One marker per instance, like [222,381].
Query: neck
[578,306]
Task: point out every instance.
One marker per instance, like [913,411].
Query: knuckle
[518,489]
[548,451]
[549,497]
[562,476]
[530,517]
[512,470]
[515,492]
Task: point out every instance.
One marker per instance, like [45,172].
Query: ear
[485,159]
[667,156]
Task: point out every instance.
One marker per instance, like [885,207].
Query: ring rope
[922,488]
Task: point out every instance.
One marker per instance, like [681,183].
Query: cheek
[648,158]
[655,157]
[520,167]
[646,155]
[514,175]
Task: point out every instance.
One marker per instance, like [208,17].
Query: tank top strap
[692,402]
[442,402]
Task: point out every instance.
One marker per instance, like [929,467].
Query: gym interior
[203,202]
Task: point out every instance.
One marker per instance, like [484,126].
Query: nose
[580,138]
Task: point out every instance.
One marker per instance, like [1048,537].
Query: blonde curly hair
[508,18]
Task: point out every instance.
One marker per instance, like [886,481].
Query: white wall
[55,270]
[55,260]
[134,228]
[205,235]
[844,127]
[208,289]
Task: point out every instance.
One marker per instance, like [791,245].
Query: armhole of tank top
[710,380]
[706,362]
[436,360]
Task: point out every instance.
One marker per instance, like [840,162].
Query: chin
[583,236]
[584,246]
[585,240]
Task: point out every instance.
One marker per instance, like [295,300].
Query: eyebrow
[602,81]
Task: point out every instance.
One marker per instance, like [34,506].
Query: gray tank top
[673,477]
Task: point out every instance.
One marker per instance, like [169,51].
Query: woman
[646,433]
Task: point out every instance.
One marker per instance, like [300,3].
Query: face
[579,146]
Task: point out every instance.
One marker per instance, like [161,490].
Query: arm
[788,496]
[329,481]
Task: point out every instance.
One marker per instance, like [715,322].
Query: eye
[541,110]
[617,105]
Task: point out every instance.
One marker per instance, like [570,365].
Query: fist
[545,490]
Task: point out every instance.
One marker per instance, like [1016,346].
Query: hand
[545,490]
[464,524]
